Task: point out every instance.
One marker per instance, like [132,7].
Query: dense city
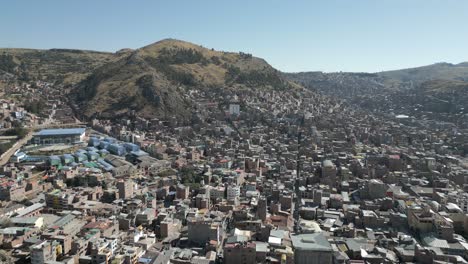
[258,176]
[233,132]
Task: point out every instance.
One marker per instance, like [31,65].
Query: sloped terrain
[438,71]
[154,81]
[348,85]
[62,66]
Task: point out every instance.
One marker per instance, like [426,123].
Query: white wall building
[217,192]
[234,109]
[233,192]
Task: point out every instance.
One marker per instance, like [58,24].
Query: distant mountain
[438,71]
[343,85]
[348,85]
[56,65]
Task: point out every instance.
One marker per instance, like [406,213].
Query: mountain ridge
[151,81]
[347,85]
[154,80]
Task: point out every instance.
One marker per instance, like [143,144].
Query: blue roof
[62,131]
[139,153]
[144,260]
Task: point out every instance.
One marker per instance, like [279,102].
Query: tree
[5,146]
[190,177]
[35,106]
[17,131]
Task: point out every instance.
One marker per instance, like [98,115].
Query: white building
[234,109]
[233,192]
[217,192]
[462,201]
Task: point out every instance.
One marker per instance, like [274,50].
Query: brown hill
[154,80]
[63,66]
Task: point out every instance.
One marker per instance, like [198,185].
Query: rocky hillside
[154,81]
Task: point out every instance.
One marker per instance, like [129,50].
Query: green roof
[56,191]
[91,165]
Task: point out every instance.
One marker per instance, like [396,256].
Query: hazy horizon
[330,36]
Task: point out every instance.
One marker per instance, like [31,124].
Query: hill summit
[155,80]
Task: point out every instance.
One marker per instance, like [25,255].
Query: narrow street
[5,157]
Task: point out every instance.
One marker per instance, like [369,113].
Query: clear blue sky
[302,35]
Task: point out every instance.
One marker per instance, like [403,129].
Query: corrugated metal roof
[432,241]
[314,241]
[60,132]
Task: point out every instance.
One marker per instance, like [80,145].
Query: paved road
[6,156]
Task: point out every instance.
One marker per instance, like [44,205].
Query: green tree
[5,146]
[17,131]
[35,106]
